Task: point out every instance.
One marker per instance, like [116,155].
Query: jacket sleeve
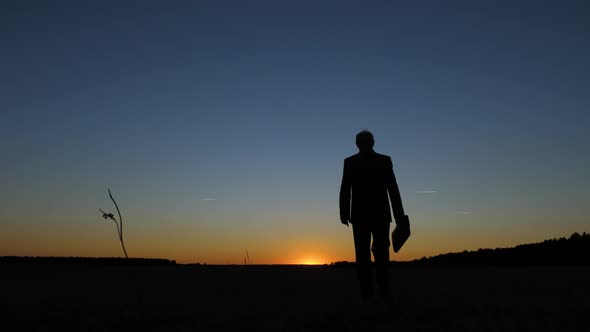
[345,189]
[394,195]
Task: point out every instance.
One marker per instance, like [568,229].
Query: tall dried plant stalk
[118,223]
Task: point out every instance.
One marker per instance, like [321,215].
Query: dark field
[289,298]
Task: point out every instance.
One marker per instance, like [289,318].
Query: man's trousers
[362,232]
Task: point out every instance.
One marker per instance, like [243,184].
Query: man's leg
[381,252]
[362,249]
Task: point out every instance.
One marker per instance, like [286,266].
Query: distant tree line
[572,251]
[86,260]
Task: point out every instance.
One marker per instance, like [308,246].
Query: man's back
[368,176]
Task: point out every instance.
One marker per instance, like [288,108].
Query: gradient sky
[221,126]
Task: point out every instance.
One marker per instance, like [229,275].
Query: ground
[289,298]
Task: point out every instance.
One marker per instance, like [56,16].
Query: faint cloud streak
[209,199]
[426,192]
[463,212]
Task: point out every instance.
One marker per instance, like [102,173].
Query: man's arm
[345,189]
[394,195]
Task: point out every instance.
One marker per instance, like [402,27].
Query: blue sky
[483,108]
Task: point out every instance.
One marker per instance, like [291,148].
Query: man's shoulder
[351,158]
[374,156]
[382,156]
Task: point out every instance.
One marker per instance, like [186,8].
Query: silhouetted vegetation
[247,260]
[118,223]
[86,260]
[572,251]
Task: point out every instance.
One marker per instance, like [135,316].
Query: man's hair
[365,140]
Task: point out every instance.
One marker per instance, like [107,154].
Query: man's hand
[344,221]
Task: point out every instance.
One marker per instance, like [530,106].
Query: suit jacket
[369,178]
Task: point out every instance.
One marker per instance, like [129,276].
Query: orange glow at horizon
[188,242]
[311,261]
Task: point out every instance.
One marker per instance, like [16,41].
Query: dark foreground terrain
[46,297]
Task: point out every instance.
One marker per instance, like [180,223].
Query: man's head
[365,140]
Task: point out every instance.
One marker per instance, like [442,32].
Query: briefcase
[401,233]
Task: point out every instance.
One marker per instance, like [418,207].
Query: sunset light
[295,165]
[311,261]
[222,130]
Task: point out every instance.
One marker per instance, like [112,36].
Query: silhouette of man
[368,176]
